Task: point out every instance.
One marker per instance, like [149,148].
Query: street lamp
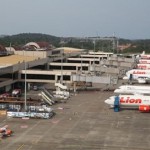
[94,54]
[25,82]
[62,67]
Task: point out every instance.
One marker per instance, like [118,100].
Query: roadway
[85,122]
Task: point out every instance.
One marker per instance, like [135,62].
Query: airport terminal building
[38,63]
[33,64]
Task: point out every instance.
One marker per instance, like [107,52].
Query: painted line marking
[20,147]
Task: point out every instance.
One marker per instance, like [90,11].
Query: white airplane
[130,89]
[144,56]
[144,61]
[142,76]
[143,66]
[131,101]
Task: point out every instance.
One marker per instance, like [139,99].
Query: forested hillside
[84,43]
[22,39]
[139,46]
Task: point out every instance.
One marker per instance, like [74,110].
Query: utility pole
[94,42]
[61,80]
[25,82]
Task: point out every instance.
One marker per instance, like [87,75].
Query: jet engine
[142,80]
[144,108]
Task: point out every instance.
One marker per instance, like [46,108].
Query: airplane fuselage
[137,74]
[130,100]
[144,61]
[143,56]
[143,66]
[133,89]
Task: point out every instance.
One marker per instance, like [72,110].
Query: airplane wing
[143,79]
[138,93]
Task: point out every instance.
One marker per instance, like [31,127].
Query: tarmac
[85,122]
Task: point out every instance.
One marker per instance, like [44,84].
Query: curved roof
[37,45]
[32,44]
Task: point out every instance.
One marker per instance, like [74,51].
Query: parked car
[16,92]
[35,87]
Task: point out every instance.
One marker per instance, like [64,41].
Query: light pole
[81,62]
[94,55]
[62,67]
[25,82]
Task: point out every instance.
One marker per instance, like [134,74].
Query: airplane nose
[116,91]
[107,101]
[125,78]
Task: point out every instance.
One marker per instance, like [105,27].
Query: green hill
[84,43]
[23,38]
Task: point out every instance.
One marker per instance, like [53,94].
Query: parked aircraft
[143,66]
[144,61]
[144,56]
[142,76]
[133,89]
[131,101]
[5,132]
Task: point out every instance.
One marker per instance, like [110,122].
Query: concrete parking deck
[83,123]
[15,59]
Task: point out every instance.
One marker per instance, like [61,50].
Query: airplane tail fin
[143,53]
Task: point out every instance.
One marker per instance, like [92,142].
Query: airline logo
[142,66]
[139,72]
[143,61]
[129,100]
[145,56]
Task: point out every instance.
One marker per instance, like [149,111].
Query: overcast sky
[78,18]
